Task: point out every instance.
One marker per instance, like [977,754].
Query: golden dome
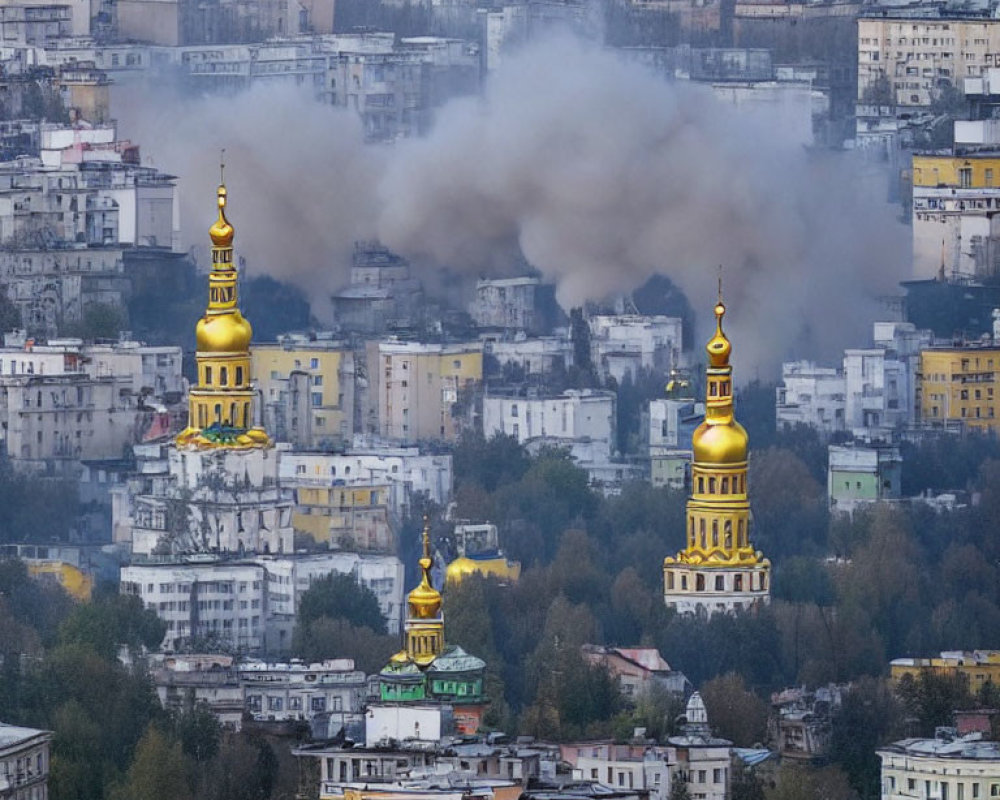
[424,602]
[223,333]
[721,443]
[498,567]
[718,346]
[222,232]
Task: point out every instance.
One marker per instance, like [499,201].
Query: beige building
[919,54]
[420,388]
[307,388]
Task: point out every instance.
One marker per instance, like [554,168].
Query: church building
[718,571]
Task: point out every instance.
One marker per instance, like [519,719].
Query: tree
[327,637]
[800,782]
[100,321]
[340,596]
[878,92]
[746,784]
[734,712]
[160,771]
[10,314]
[111,621]
[869,716]
[198,731]
[679,788]
[931,697]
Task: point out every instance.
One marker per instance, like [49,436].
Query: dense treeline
[60,670]
[849,594]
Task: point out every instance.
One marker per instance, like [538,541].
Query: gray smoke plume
[601,173]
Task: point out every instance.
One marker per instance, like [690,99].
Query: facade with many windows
[944,768]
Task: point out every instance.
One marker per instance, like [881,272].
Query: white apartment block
[874,391]
[405,470]
[250,604]
[811,395]
[24,763]
[506,303]
[585,417]
[945,768]
[625,344]
[223,501]
[534,355]
[278,692]
[919,50]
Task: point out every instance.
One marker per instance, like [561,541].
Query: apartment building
[422,389]
[918,50]
[250,604]
[307,389]
[958,387]
[956,215]
[24,762]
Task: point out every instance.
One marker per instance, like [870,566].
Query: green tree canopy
[340,596]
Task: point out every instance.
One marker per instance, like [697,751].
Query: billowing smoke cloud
[599,172]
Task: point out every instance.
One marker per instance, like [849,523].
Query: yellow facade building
[965,172]
[956,216]
[345,517]
[978,666]
[220,406]
[77,583]
[307,388]
[958,386]
[718,571]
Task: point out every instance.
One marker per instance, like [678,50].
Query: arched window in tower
[738,582]
[720,583]
[728,531]
[223,376]
[701,532]
[239,376]
[711,485]
[202,417]
[725,485]
[218,412]
[715,533]
[670,581]
[246,415]
[741,538]
[232,414]
[724,389]
[701,485]
[699,582]
[712,389]
[208,375]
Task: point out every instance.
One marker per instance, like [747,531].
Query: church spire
[220,407]
[424,621]
[718,570]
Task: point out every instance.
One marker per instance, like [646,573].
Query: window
[239,376]
[318,380]
[313,363]
[317,398]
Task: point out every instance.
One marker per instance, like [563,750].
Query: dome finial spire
[222,167]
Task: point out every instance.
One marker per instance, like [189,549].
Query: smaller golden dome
[498,567]
[424,602]
[719,347]
[223,333]
[720,443]
[222,232]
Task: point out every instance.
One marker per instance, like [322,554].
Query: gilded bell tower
[220,406]
[718,571]
[424,621]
